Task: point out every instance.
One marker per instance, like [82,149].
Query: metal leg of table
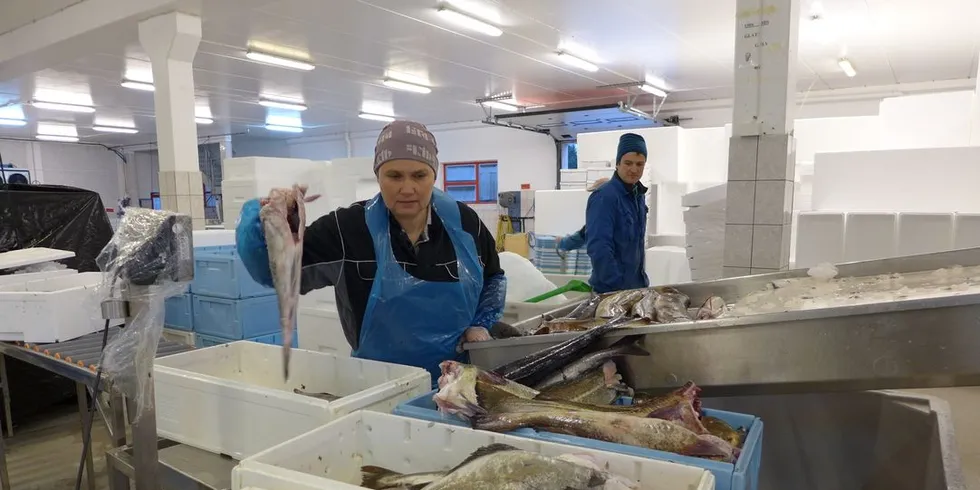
[5,384]
[82,393]
[118,479]
[146,459]
[4,476]
[117,420]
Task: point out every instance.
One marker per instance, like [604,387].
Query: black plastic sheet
[65,218]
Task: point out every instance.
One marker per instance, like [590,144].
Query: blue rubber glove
[250,242]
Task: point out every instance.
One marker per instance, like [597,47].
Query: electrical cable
[87,436]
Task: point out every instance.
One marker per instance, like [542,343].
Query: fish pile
[661,304]
[566,389]
[283,217]
[500,466]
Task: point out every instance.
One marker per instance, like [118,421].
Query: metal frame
[213,472]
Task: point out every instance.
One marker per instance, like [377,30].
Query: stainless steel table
[181,468]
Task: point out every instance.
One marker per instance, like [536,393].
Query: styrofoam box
[278,172]
[319,298]
[179,336]
[34,255]
[231,399]
[52,310]
[574,175]
[322,331]
[966,230]
[819,238]
[214,238]
[559,213]
[331,456]
[34,276]
[922,233]
[869,236]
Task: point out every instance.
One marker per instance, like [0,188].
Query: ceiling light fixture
[115,129]
[279,61]
[501,106]
[847,67]
[647,87]
[203,120]
[283,129]
[577,62]
[58,106]
[63,139]
[282,104]
[375,117]
[12,122]
[469,22]
[133,84]
[406,86]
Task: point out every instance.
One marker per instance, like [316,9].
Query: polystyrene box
[322,331]
[819,238]
[921,233]
[232,399]
[966,230]
[323,297]
[277,172]
[331,456]
[52,310]
[869,236]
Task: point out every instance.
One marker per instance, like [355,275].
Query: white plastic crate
[231,399]
[331,456]
[319,298]
[179,336]
[321,331]
[29,256]
[52,310]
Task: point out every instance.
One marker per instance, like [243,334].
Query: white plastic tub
[320,330]
[331,456]
[54,309]
[231,399]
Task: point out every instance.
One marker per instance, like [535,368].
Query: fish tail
[713,447]
[371,476]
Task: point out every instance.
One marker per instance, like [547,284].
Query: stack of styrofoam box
[574,179]
[559,213]
[837,237]
[705,223]
[321,326]
[252,177]
[57,308]
[594,174]
[339,183]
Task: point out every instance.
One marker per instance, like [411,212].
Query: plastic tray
[179,312]
[743,475]
[232,399]
[236,319]
[331,456]
[220,273]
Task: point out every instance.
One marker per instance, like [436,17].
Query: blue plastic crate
[221,274]
[236,319]
[179,312]
[743,475]
[202,341]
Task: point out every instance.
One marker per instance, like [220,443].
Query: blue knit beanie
[630,143]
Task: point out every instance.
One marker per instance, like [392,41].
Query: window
[471,182]
[570,156]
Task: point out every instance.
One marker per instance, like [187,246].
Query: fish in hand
[601,386]
[535,367]
[283,217]
[712,308]
[618,304]
[625,347]
[672,305]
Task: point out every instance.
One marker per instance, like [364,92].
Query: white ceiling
[355,43]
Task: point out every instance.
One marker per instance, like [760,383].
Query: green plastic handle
[573,285]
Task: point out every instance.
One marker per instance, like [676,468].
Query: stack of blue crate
[224,303]
[546,257]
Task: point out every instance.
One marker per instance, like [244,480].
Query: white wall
[84,166]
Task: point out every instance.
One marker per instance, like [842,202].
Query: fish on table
[283,217]
[585,309]
[500,466]
[671,305]
[712,308]
[619,303]
[645,307]
[625,347]
[601,386]
[564,325]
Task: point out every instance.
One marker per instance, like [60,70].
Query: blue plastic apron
[414,322]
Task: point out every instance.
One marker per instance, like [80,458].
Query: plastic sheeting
[64,218]
[149,259]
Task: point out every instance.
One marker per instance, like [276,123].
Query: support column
[975,112]
[762,154]
[171,41]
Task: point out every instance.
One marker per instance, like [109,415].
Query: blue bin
[236,319]
[179,313]
[221,274]
[743,475]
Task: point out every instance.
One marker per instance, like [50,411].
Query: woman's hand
[473,334]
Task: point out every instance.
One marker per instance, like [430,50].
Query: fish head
[457,390]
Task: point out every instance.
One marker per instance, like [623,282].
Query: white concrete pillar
[975,112]
[762,155]
[171,41]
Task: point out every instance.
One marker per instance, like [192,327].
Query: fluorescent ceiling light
[284,129]
[406,86]
[847,67]
[58,106]
[115,129]
[133,84]
[646,87]
[203,120]
[12,122]
[577,62]
[63,139]
[279,61]
[468,22]
[282,104]
[375,117]
[501,106]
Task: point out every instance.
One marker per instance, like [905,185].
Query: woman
[415,273]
